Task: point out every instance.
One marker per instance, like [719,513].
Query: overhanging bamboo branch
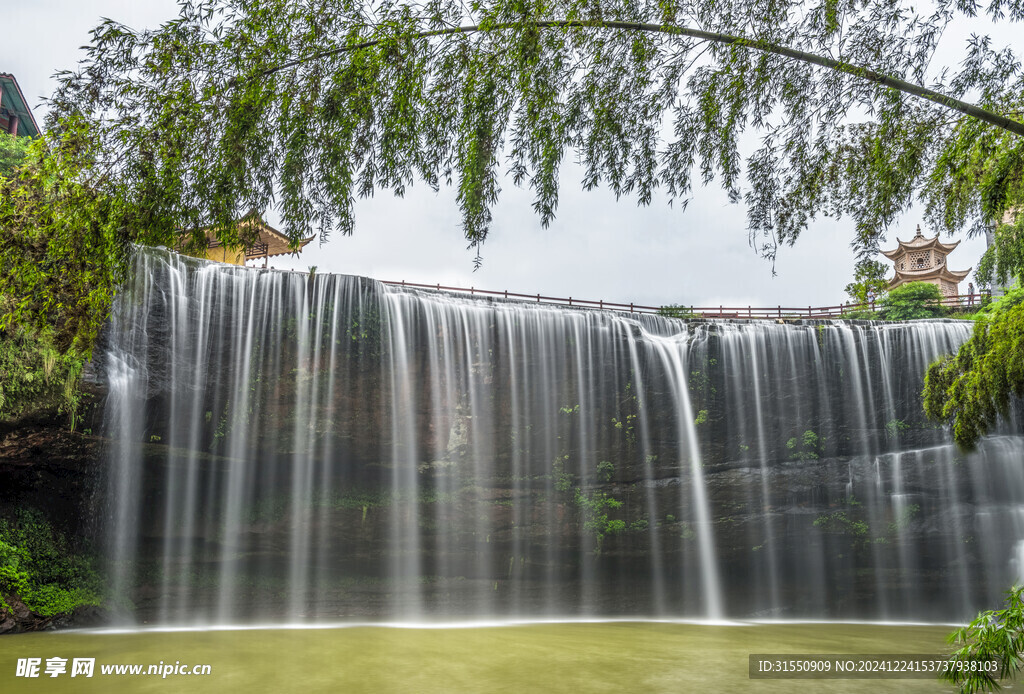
[864,73]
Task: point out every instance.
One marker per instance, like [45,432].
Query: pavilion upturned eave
[907,246]
[941,273]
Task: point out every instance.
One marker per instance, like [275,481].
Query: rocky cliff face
[51,472]
[44,465]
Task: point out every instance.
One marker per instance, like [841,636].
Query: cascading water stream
[286,448]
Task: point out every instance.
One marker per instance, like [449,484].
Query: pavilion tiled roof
[918,243]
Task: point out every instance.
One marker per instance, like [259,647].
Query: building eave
[277,242]
[14,100]
[903,247]
[939,273]
[256,239]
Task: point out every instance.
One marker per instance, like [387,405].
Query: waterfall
[288,448]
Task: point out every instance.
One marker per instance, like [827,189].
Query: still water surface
[582,658]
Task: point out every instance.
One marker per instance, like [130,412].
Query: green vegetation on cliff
[64,246]
[34,376]
[40,567]
[971,389]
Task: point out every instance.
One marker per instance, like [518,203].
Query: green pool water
[615,657]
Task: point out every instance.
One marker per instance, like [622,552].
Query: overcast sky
[597,248]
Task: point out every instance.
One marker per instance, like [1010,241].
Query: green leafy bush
[972,389]
[34,375]
[38,565]
[913,300]
[13,578]
[677,311]
[13,151]
[594,507]
[807,447]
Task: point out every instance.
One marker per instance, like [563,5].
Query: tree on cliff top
[913,300]
[868,280]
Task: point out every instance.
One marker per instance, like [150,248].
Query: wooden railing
[962,302]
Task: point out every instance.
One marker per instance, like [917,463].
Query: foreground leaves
[994,635]
[64,243]
[309,106]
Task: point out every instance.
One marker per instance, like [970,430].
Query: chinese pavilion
[924,260]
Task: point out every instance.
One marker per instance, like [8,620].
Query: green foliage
[852,524]
[979,174]
[677,311]
[318,104]
[13,578]
[807,447]
[841,523]
[365,333]
[13,151]
[34,376]
[37,564]
[868,280]
[894,427]
[64,245]
[971,390]
[562,479]
[627,425]
[913,300]
[594,507]
[903,519]
[994,635]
